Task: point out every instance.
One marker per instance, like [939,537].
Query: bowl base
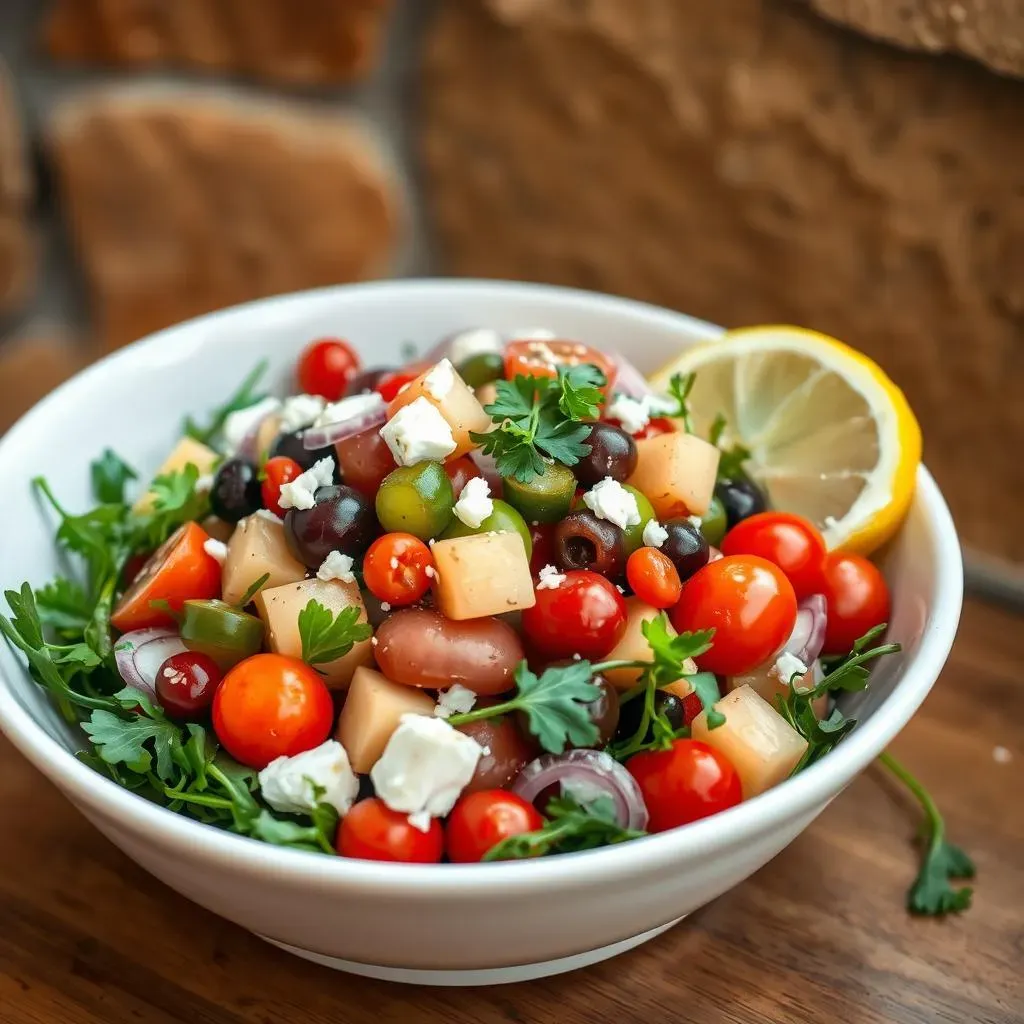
[484,976]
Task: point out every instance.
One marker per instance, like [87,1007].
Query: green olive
[545,498]
[713,523]
[416,499]
[634,535]
[224,632]
[504,519]
[482,368]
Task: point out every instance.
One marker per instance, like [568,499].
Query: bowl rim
[803,795]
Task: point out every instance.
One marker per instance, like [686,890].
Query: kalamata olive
[364,460]
[686,546]
[741,498]
[341,520]
[583,541]
[235,493]
[366,380]
[612,453]
[423,648]
[290,446]
[507,751]
[632,711]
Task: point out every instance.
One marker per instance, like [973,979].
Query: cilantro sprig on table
[540,418]
[326,637]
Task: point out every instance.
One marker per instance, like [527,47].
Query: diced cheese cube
[418,432]
[185,451]
[482,574]
[759,743]
[677,473]
[280,607]
[258,547]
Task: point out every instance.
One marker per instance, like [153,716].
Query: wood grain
[819,934]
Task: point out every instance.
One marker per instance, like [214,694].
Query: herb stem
[937,824]
[494,711]
[40,483]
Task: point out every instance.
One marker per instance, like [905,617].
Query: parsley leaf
[326,637]
[134,741]
[931,892]
[733,459]
[110,475]
[245,396]
[581,396]
[64,605]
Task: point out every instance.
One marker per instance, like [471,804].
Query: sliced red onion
[139,654]
[249,449]
[629,380]
[808,636]
[587,774]
[348,417]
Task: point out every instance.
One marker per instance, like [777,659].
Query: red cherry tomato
[278,471]
[858,600]
[460,471]
[391,383]
[684,783]
[326,366]
[481,820]
[541,359]
[750,605]
[271,706]
[653,577]
[372,831]
[186,683]
[365,459]
[786,540]
[659,425]
[583,615]
[395,568]
[543,537]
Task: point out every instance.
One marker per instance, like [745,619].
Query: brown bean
[507,751]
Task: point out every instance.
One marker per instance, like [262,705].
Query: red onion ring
[368,411]
[629,380]
[594,772]
[808,636]
[140,653]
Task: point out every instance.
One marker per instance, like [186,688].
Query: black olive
[290,447]
[686,546]
[366,380]
[341,520]
[235,493]
[612,453]
[741,499]
[632,711]
[583,541]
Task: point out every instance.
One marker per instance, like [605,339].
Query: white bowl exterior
[440,917]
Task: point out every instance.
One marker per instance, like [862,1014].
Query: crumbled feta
[788,665]
[216,549]
[385,606]
[439,380]
[204,483]
[609,500]
[654,534]
[474,504]
[425,766]
[475,342]
[420,820]
[695,521]
[300,411]
[267,514]
[632,414]
[549,578]
[349,409]
[418,432]
[240,424]
[456,700]
[289,784]
[301,492]
[336,566]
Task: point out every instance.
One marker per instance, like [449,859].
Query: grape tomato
[395,568]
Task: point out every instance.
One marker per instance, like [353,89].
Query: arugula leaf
[326,637]
[135,740]
[931,892]
[284,832]
[110,475]
[571,826]
[245,396]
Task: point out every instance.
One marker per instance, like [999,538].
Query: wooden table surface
[820,934]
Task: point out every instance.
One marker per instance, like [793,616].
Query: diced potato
[258,547]
[633,646]
[487,394]
[373,708]
[279,608]
[677,474]
[761,745]
[267,433]
[766,683]
[460,407]
[185,451]
[682,688]
[483,574]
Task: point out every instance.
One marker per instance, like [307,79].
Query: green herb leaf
[326,637]
[672,650]
[733,458]
[254,589]
[134,741]
[705,685]
[63,605]
[581,396]
[679,387]
[245,396]
[110,476]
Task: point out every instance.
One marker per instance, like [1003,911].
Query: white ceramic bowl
[441,924]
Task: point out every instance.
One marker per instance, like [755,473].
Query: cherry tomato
[748,602]
[178,571]
[684,783]
[372,831]
[271,706]
[656,426]
[391,383]
[858,600]
[583,615]
[786,540]
[186,683]
[542,536]
[653,577]
[481,820]
[395,568]
[277,471]
[326,366]
[460,471]
[541,359]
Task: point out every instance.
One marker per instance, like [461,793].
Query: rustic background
[853,165]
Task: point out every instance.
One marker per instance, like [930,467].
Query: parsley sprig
[326,637]
[733,458]
[245,396]
[540,418]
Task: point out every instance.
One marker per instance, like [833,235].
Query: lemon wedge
[830,436]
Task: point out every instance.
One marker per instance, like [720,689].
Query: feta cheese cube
[654,534]
[354,407]
[289,784]
[336,566]
[609,500]
[474,504]
[456,700]
[243,422]
[418,432]
[301,492]
[549,578]
[475,342]
[300,411]
[439,380]
[788,665]
[216,549]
